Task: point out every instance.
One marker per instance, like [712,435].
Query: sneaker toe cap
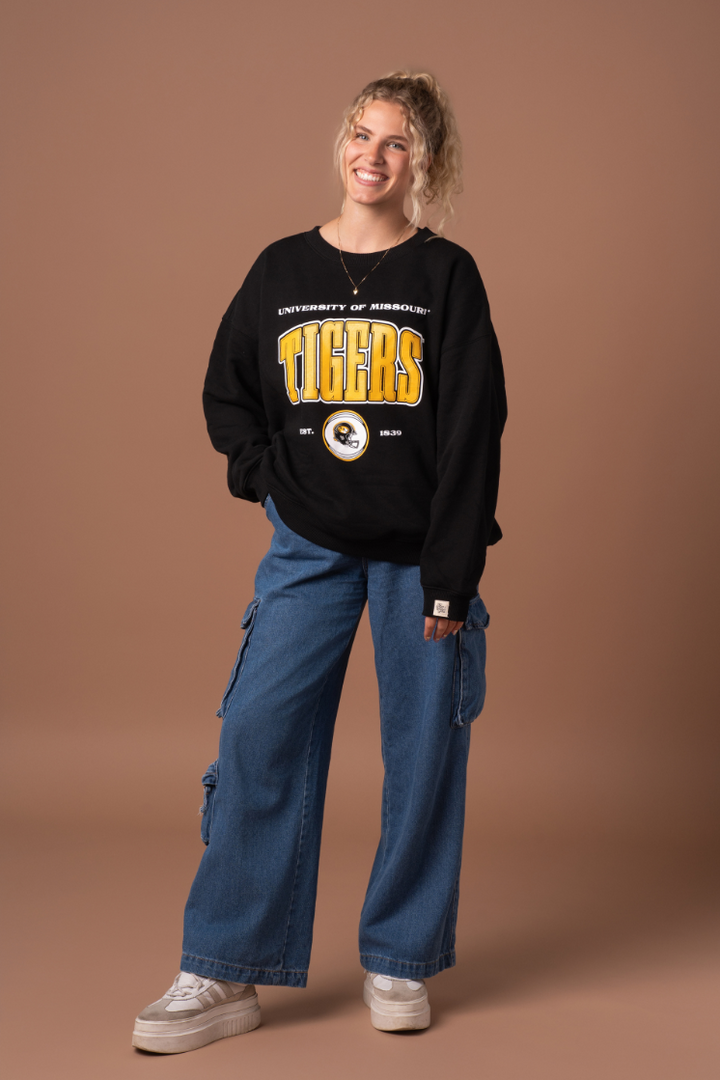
[157,1012]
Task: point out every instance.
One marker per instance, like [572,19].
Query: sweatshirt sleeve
[471,414]
[232,394]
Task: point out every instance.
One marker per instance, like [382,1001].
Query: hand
[441,628]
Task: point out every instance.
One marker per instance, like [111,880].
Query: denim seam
[462,672]
[246,967]
[453,912]
[386,787]
[456,669]
[242,660]
[409,963]
[304,814]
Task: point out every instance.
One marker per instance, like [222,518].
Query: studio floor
[576,961]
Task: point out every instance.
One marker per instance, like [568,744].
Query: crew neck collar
[360,258]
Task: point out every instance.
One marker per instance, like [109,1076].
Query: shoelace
[188,989]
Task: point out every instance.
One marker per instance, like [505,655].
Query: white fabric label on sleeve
[441,608]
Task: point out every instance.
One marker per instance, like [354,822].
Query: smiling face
[377,158]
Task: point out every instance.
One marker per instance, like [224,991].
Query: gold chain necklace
[356,287]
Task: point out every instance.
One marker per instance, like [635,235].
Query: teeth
[374,177]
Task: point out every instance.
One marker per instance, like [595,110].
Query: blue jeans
[249,916]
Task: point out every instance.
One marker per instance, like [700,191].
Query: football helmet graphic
[344,432]
[346,435]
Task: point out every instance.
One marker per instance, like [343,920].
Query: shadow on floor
[552,917]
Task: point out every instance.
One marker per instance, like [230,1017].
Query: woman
[356,387]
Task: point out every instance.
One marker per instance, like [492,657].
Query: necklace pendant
[354,292]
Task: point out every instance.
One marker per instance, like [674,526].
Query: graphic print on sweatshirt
[353,361]
[346,435]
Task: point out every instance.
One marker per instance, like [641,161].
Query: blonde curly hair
[435,149]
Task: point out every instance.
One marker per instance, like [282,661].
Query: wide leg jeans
[249,916]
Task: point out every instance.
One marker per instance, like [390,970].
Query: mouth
[366,177]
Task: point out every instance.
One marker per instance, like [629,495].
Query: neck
[365,228]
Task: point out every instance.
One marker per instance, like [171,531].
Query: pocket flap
[249,612]
[478,617]
[210,778]
[246,624]
[209,782]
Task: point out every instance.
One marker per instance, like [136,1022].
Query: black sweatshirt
[373,419]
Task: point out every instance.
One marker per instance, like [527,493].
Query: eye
[397,145]
[360,135]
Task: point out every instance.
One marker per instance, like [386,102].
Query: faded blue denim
[249,916]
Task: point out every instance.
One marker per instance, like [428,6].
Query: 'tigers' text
[352,360]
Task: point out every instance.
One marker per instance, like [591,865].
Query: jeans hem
[240,973]
[404,969]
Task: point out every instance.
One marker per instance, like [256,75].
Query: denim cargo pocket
[209,782]
[469,674]
[247,623]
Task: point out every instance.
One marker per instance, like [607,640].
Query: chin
[365,199]
[366,195]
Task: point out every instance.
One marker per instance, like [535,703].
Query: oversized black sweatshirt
[372,418]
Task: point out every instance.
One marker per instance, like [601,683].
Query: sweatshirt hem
[406,553]
[255,485]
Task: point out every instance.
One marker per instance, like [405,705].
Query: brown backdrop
[153,149]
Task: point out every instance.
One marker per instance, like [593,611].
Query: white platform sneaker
[396,1004]
[196,1011]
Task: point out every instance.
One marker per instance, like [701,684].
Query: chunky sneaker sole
[177,1036]
[195,1011]
[412,1014]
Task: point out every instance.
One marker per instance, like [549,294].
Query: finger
[437,629]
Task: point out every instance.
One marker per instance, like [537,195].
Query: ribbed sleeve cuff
[445,605]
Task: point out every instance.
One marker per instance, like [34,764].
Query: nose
[374,152]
